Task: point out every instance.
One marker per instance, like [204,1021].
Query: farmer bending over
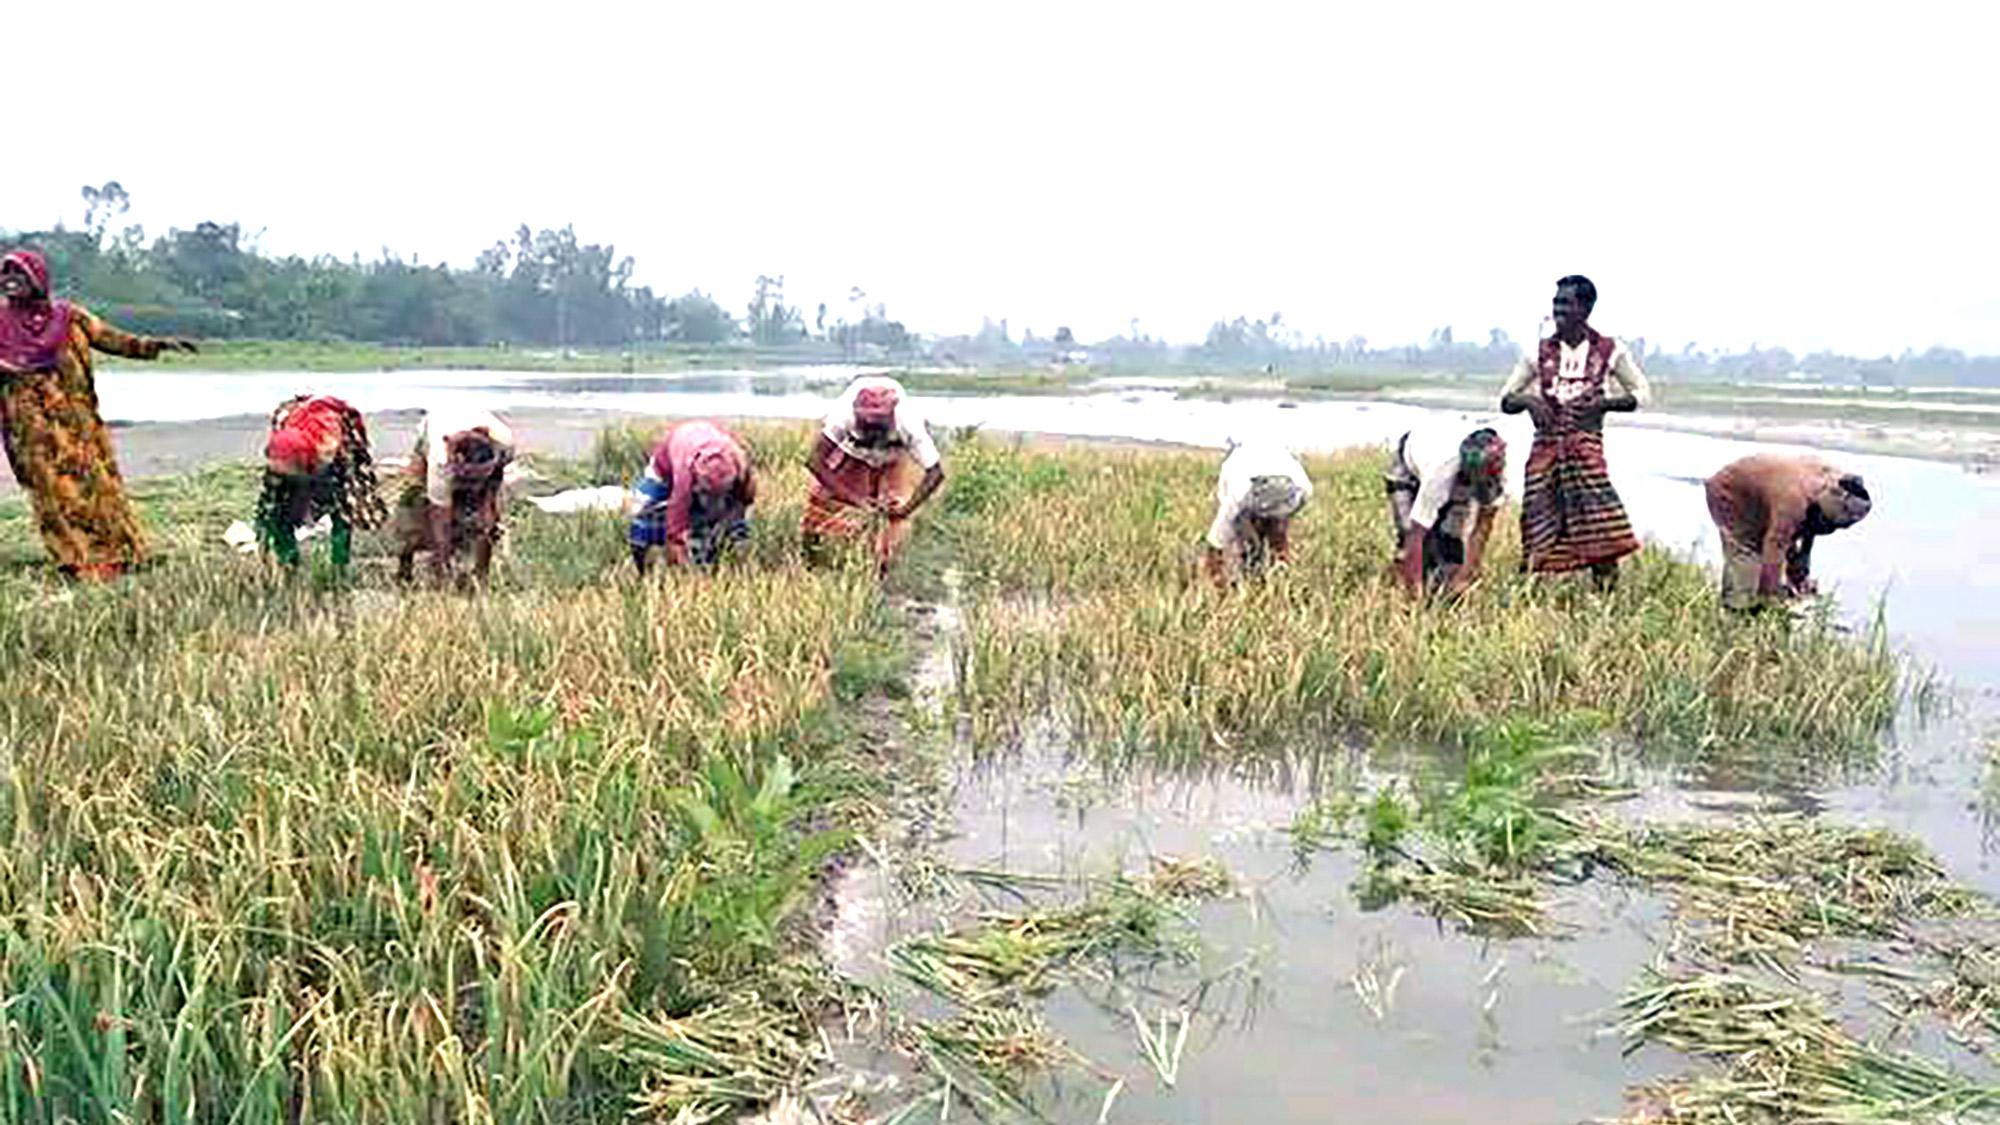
[698,490]
[1260,487]
[317,463]
[1440,485]
[1769,507]
[874,455]
[454,496]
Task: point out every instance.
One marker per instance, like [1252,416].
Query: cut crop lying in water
[1759,892]
[1007,956]
[1784,1059]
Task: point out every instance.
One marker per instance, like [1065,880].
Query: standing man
[454,500]
[1571,517]
[317,462]
[698,490]
[874,455]
[1258,490]
[1769,507]
[1444,492]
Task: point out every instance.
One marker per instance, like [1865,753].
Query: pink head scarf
[875,406]
[32,330]
[702,454]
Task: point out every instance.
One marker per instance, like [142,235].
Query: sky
[1807,175]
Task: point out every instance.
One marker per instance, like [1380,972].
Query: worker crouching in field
[1260,487]
[317,463]
[1444,492]
[1769,507]
[874,455]
[697,489]
[453,497]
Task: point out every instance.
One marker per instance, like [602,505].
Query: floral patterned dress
[61,452]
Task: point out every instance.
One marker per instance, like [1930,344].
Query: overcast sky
[1813,175]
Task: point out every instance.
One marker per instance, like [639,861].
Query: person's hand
[1412,587]
[1215,566]
[1805,588]
[893,509]
[1769,582]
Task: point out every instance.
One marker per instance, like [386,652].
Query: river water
[1506,1031]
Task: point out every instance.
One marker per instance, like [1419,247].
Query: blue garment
[710,528]
[649,524]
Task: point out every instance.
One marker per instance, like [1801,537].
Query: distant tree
[771,320]
[695,318]
[207,261]
[101,205]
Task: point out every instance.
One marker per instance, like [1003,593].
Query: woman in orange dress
[56,443]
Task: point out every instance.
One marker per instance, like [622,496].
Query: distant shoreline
[162,449]
[152,449]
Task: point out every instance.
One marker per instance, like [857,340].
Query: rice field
[285,849]
[1086,601]
[313,848]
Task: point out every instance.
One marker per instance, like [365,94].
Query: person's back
[1768,508]
[697,491]
[1444,487]
[1258,490]
[1764,486]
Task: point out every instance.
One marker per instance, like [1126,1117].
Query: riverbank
[1959,425]
[160,449]
[353,357]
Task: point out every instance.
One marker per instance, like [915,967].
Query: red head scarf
[875,406]
[290,451]
[32,330]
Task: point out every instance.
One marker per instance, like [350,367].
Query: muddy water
[1318,1010]
[1471,1030]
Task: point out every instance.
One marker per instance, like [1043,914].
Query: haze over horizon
[1783,174]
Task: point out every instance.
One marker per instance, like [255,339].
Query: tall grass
[275,850]
[1090,602]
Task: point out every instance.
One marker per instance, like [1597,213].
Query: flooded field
[1076,744]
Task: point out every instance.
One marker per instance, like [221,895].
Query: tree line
[548,287]
[542,287]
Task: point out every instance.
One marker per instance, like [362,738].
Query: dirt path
[153,449]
